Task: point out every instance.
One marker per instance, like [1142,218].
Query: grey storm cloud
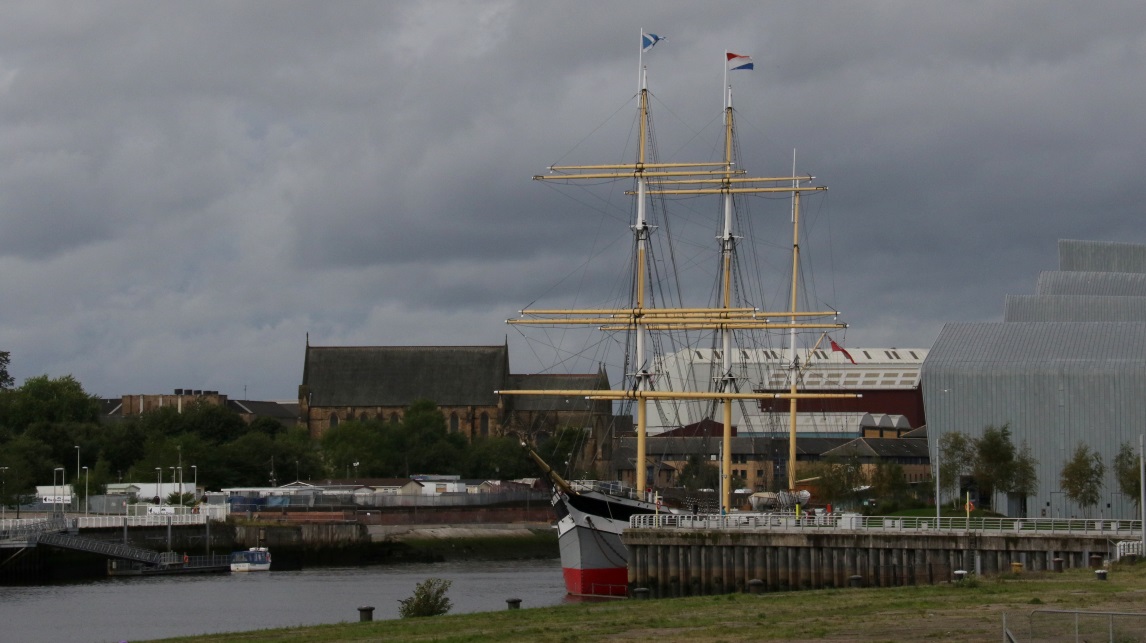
[188,189]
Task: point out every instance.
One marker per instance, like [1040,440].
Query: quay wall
[681,562]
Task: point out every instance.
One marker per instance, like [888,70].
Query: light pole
[296,470]
[87,505]
[77,471]
[158,485]
[195,473]
[173,481]
[57,492]
[3,492]
[938,504]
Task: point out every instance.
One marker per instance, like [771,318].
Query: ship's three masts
[725,179]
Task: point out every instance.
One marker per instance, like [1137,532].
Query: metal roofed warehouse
[1067,365]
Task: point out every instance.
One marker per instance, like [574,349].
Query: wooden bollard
[513,603]
[366,613]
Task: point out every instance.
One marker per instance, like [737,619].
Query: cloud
[187,190]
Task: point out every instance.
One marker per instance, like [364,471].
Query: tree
[837,482]
[994,465]
[1081,476]
[498,458]
[697,473]
[888,482]
[1025,480]
[956,453]
[6,380]
[43,399]
[429,599]
[1127,471]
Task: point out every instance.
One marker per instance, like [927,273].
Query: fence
[1047,625]
[331,502]
[1121,529]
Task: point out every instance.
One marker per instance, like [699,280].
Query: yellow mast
[694,177]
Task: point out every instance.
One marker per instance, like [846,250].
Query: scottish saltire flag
[736,61]
[650,39]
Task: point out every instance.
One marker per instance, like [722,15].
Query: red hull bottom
[609,581]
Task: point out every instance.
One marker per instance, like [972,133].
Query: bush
[429,599]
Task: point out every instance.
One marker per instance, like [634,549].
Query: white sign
[56,500]
[161,510]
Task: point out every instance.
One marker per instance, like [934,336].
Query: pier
[687,555]
[62,532]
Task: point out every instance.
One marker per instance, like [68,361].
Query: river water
[131,609]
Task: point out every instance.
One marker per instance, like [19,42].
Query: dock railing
[1120,529]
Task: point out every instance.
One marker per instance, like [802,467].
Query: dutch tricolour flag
[736,61]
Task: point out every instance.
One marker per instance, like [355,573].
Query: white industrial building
[1066,365]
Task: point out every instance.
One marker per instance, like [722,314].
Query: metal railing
[151,520]
[1125,529]
[112,550]
[28,529]
[1076,625]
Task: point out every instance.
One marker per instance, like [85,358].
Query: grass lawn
[971,611]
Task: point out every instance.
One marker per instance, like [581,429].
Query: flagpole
[724,90]
[640,58]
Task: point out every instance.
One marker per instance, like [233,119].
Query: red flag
[838,349]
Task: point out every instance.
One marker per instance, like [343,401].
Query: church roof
[399,375]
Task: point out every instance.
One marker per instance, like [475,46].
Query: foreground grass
[968,612]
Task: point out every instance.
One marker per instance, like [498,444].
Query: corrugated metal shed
[1118,284]
[1101,256]
[1074,308]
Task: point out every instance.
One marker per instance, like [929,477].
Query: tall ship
[656,316]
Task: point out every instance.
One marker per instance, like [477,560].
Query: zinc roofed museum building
[1066,366]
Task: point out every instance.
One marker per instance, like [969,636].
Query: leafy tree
[697,473]
[956,453]
[429,599]
[351,442]
[1025,480]
[47,400]
[994,465]
[1127,471]
[563,450]
[889,482]
[6,381]
[1081,476]
[839,481]
[497,458]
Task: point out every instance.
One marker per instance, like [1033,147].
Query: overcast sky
[188,188]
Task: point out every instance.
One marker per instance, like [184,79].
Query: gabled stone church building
[341,383]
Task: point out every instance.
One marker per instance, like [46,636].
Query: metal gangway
[111,550]
[54,532]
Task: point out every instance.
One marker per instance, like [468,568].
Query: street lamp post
[938,504]
[296,470]
[77,447]
[58,491]
[158,485]
[174,481]
[87,505]
[195,474]
[3,492]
